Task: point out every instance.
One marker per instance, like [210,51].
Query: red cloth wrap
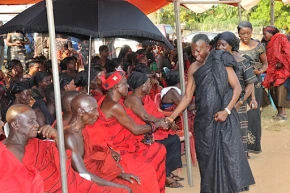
[110,132]
[278,51]
[15,176]
[44,156]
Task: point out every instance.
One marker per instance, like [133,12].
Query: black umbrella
[96,18]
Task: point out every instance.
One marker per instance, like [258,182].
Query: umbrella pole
[89,64]
[181,74]
[240,11]
[55,73]
[272,11]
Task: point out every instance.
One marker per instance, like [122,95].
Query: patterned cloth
[254,115]
[246,76]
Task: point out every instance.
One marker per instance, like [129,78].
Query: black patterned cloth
[223,165]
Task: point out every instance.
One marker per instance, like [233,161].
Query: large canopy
[149,6]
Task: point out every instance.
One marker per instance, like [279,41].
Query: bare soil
[271,168]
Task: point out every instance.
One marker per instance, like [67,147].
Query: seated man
[121,133]
[99,165]
[44,155]
[142,109]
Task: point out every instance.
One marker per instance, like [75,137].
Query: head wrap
[231,39]
[143,69]
[65,79]
[81,78]
[137,79]
[271,29]
[113,79]
[19,86]
[172,78]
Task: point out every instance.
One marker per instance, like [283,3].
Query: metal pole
[182,82]
[89,64]
[240,11]
[55,73]
[272,12]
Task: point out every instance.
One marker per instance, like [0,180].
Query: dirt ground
[271,168]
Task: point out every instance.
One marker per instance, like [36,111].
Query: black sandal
[176,177]
[174,184]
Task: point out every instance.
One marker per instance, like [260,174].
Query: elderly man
[42,155]
[143,109]
[120,132]
[222,162]
[98,164]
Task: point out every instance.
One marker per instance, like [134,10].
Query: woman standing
[278,55]
[229,42]
[257,52]
[17,41]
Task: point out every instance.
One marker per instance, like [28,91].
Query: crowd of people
[124,134]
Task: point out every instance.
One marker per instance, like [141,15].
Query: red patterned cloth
[110,132]
[44,156]
[278,51]
[15,176]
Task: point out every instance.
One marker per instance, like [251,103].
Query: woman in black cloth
[223,165]
[229,42]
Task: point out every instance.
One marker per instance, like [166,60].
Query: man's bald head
[66,100]
[22,121]
[16,111]
[82,101]
[86,107]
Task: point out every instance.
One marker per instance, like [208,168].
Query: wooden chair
[180,132]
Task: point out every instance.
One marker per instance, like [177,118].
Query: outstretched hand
[130,178]
[48,132]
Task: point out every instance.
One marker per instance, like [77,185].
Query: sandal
[174,185]
[280,117]
[176,177]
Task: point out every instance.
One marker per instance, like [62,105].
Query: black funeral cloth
[223,165]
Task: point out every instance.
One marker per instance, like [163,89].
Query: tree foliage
[225,17]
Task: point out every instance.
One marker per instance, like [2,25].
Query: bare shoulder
[70,140]
[193,68]
[130,100]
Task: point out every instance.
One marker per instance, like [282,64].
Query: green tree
[224,17]
[260,15]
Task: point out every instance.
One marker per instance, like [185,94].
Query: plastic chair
[180,132]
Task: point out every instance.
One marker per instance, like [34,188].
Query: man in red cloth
[121,133]
[44,155]
[95,161]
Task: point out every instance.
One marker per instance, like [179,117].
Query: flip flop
[280,117]
[176,177]
[174,185]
